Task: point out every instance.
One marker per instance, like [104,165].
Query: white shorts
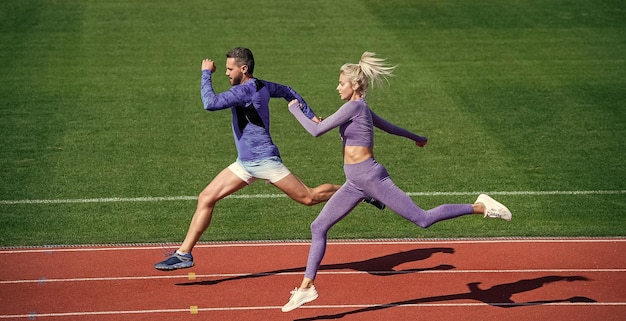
[271,169]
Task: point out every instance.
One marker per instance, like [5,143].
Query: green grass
[101,100]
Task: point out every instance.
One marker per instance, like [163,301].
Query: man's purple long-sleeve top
[249,104]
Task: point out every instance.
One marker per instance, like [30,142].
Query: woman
[364,176]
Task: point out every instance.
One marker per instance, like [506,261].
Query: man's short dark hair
[243,56]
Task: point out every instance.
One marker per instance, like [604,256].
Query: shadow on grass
[380,266]
[497,295]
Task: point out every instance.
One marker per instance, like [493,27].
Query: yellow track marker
[193,309]
[191,276]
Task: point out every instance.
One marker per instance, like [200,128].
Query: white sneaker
[494,209]
[300,297]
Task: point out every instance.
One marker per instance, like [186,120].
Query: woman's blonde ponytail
[369,69]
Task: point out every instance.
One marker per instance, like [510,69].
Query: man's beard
[237,80]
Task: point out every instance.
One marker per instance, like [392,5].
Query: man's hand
[208,64]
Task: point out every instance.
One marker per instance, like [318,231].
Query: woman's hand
[315,119]
[421,142]
[293,102]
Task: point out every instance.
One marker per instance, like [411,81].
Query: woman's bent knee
[317,228]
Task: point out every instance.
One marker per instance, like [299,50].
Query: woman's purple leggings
[364,179]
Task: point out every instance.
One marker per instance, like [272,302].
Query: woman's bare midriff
[357,154]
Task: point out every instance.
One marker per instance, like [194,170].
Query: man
[258,156]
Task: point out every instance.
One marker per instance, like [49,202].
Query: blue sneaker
[175,261]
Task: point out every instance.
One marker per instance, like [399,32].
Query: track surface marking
[578,279]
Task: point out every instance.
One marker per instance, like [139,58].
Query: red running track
[533,279]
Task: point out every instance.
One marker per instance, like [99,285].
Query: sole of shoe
[172,267]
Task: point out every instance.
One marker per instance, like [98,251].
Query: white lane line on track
[172,246]
[35,315]
[218,276]
[253,196]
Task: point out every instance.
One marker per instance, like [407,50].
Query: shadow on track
[497,295]
[380,266]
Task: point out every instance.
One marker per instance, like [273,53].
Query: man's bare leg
[293,187]
[224,184]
